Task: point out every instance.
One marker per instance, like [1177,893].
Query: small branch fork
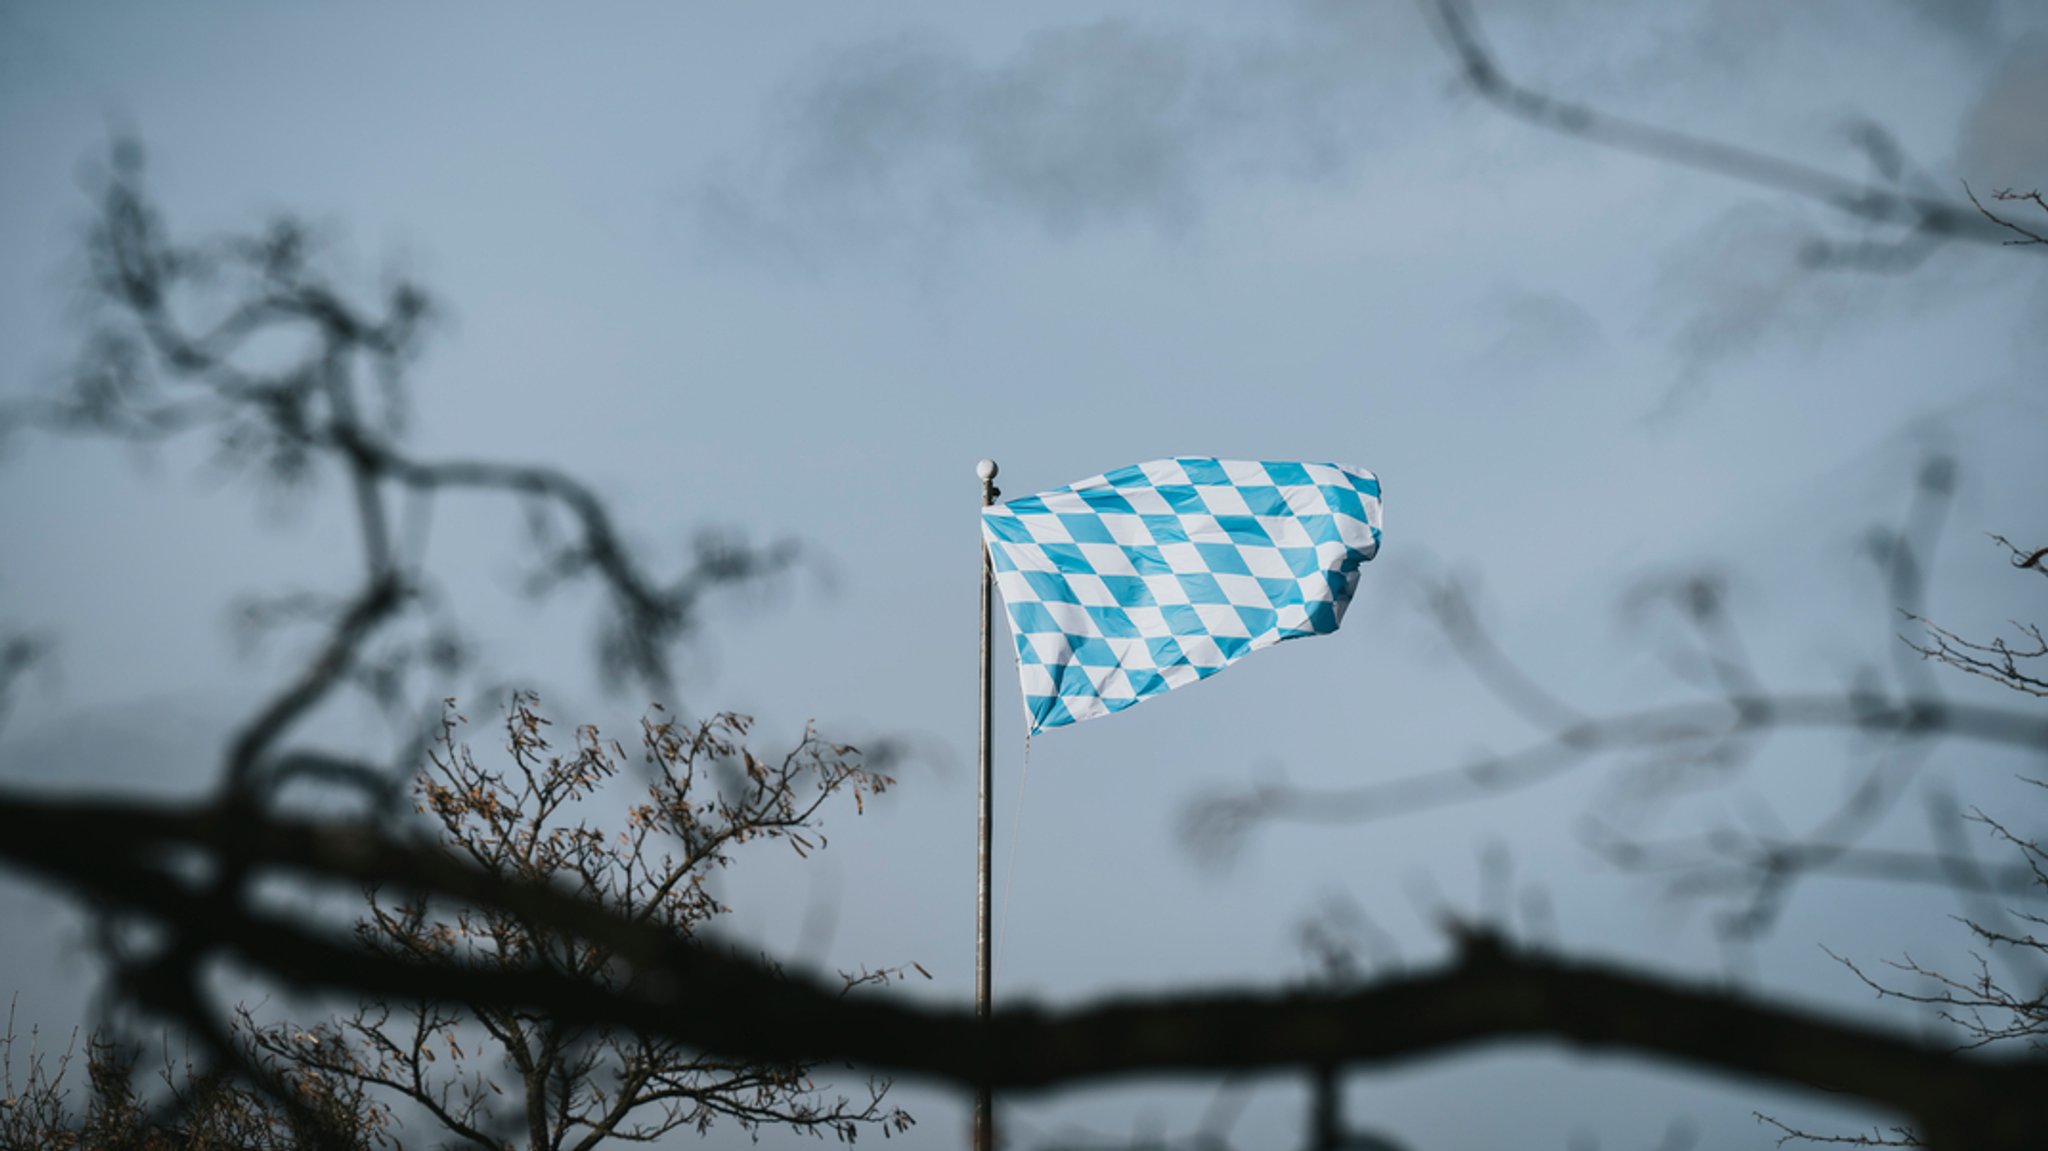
[2027,236]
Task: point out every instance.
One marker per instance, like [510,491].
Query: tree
[1982,1004]
[577,1086]
[182,344]
[200,1111]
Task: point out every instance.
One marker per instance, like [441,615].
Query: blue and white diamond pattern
[1159,574]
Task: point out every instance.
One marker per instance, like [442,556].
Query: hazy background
[794,268]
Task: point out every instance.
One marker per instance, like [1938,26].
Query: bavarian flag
[1159,574]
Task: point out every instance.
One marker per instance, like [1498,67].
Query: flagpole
[984,1110]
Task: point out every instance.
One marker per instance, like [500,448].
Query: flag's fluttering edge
[1156,575]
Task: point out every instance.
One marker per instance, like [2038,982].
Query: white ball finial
[986,469]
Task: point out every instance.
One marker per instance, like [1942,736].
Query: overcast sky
[792,269]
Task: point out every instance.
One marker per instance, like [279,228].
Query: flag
[1156,575]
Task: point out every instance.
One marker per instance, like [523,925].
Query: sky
[790,270]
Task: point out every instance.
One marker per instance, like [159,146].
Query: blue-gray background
[795,268]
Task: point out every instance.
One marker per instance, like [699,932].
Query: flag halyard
[1160,574]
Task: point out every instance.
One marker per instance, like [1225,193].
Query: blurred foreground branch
[153,866]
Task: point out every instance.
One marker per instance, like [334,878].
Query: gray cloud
[1537,331]
[1739,285]
[1126,120]
[1734,284]
[1103,122]
[1974,23]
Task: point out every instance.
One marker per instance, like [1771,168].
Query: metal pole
[984,1110]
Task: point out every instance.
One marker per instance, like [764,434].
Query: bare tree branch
[1920,221]
[154,368]
[1217,823]
[2027,236]
[724,1003]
